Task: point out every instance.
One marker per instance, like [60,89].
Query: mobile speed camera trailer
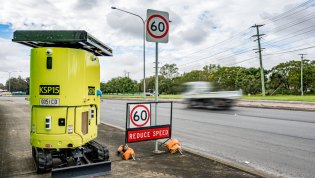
[65,98]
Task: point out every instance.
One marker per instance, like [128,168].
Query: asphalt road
[279,142]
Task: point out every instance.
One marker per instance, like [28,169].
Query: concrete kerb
[212,158]
[277,101]
[276,107]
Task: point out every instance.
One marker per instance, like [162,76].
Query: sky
[195,25]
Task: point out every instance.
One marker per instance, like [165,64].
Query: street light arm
[132,14]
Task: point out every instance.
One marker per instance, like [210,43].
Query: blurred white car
[204,94]
[151,93]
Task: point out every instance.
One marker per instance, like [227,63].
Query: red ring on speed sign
[148,29]
[147,119]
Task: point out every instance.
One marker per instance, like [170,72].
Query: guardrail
[19,93]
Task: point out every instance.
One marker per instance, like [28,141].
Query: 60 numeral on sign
[136,116]
[154,28]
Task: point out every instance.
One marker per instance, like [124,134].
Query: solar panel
[79,39]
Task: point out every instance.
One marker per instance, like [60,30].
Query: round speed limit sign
[139,115]
[157,26]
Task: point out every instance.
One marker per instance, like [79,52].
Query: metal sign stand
[131,134]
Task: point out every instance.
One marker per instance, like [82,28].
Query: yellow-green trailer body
[74,80]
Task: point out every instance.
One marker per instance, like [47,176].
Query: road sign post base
[158,152]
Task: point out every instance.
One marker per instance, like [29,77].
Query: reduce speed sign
[157,26]
[140,115]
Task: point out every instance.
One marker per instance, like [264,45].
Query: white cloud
[13,57]
[195,25]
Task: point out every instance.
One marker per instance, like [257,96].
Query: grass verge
[137,96]
[283,97]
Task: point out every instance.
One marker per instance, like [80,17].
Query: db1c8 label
[48,102]
[49,89]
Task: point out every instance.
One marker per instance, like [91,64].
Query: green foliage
[284,79]
[18,84]
[225,77]
[249,80]
[169,71]
[119,85]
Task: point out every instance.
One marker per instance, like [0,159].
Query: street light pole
[143,46]
[10,78]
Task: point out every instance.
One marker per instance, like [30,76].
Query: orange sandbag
[172,143]
[128,153]
[175,148]
[119,149]
[125,149]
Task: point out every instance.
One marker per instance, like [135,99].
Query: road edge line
[221,161]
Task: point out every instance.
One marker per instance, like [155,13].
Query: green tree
[126,85]
[28,85]
[169,71]
[287,77]
[17,84]
[191,76]
[112,86]
[207,71]
[225,77]
[119,85]
[249,80]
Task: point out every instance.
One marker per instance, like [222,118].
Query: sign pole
[156,90]
[157,31]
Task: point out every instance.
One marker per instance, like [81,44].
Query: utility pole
[128,74]
[261,66]
[302,72]
[125,73]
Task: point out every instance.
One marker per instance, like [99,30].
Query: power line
[218,44]
[265,43]
[268,54]
[283,15]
